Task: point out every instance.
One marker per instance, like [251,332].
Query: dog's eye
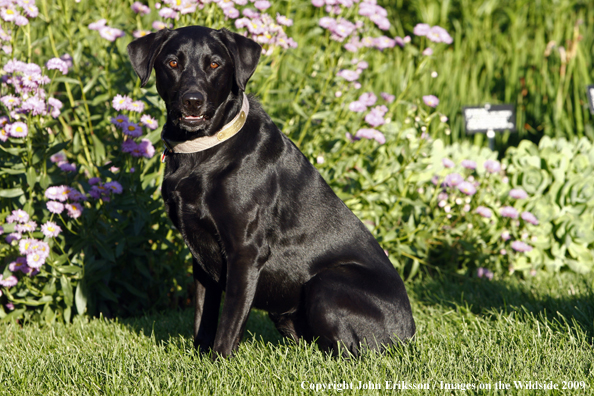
[173,64]
[214,65]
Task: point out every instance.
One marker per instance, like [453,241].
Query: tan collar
[206,142]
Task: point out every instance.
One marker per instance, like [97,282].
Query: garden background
[372,94]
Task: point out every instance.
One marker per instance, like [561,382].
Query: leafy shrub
[81,213]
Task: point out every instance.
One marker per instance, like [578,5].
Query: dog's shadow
[176,327]
[558,301]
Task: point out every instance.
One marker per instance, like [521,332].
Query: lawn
[471,333]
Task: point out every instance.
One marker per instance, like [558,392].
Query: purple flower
[375,117]
[18,130]
[518,193]
[492,166]
[484,273]
[51,229]
[421,29]
[110,34]
[140,8]
[467,188]
[438,34]
[357,106]
[158,25]
[387,97]
[485,212]
[168,13]
[468,164]
[55,207]
[348,75]
[74,210]
[262,5]
[114,187]
[508,211]
[146,148]
[55,106]
[57,64]
[283,20]
[94,180]
[384,42]
[431,100]
[520,246]
[121,102]
[368,99]
[453,179]
[529,217]
[369,133]
[66,167]
[120,121]
[18,216]
[448,163]
[8,282]
[15,236]
[132,129]
[97,25]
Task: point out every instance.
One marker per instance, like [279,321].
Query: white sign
[489,118]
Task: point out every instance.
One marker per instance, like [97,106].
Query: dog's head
[200,73]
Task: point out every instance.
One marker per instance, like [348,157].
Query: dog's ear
[144,50]
[245,53]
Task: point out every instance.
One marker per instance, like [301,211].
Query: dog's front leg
[242,281]
[207,301]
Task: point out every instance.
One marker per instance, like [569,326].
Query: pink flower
[262,4]
[18,130]
[97,25]
[55,207]
[74,210]
[348,75]
[431,100]
[140,8]
[18,216]
[357,106]
[492,166]
[8,282]
[110,34]
[59,193]
[530,218]
[467,188]
[137,106]
[508,211]
[149,122]
[57,64]
[387,97]
[368,99]
[369,133]
[520,246]
[485,212]
[421,29]
[51,229]
[448,163]
[121,102]
[468,164]
[518,193]
[453,179]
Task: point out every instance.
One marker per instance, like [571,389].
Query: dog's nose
[192,101]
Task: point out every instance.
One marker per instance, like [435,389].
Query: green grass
[469,331]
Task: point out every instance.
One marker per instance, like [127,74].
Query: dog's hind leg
[349,307]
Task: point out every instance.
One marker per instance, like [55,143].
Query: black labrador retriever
[261,223]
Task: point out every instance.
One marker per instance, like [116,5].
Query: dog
[261,223]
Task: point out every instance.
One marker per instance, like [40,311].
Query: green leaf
[11,193]
[31,177]
[67,290]
[80,299]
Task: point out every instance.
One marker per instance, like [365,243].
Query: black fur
[260,221]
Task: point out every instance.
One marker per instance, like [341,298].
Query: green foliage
[120,256]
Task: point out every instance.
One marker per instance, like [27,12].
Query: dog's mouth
[191,122]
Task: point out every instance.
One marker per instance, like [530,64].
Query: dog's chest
[184,202]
